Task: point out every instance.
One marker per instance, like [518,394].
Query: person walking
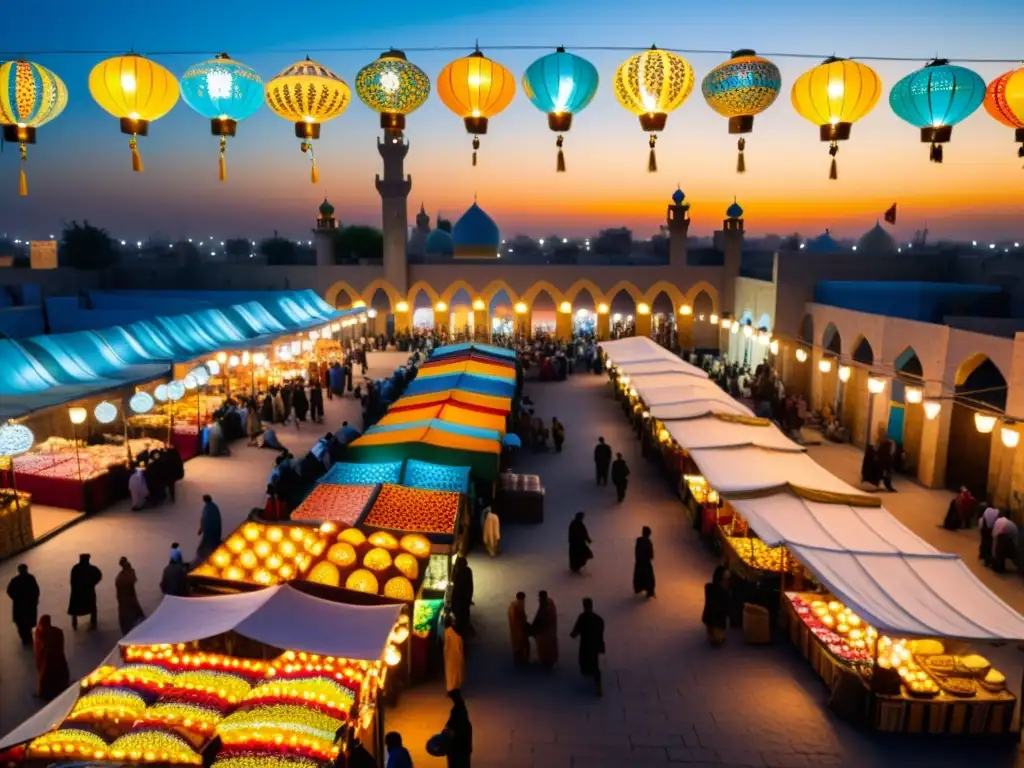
[316,401]
[253,424]
[174,580]
[620,476]
[52,674]
[557,434]
[454,656]
[23,590]
[643,565]
[518,630]
[84,578]
[398,755]
[209,529]
[491,531]
[716,606]
[986,523]
[545,630]
[129,609]
[579,541]
[589,628]
[459,733]
[602,460]
[462,594]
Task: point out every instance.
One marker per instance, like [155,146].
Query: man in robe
[52,674]
[589,628]
[579,540]
[602,460]
[1004,542]
[84,578]
[491,531]
[518,630]
[209,529]
[23,590]
[454,657]
[129,609]
[462,593]
[620,477]
[545,630]
[643,566]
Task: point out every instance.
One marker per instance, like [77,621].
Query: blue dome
[824,243]
[678,196]
[476,235]
[439,243]
[734,211]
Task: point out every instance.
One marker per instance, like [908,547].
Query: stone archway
[906,420]
[980,388]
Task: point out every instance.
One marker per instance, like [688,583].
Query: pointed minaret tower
[394,191]
[678,228]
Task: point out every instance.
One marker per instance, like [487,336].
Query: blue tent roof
[470,382]
[435,477]
[471,346]
[344,473]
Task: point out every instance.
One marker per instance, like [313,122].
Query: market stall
[437,442]
[465,382]
[495,403]
[474,347]
[453,413]
[345,473]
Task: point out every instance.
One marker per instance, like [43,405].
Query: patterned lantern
[650,85]
[308,94]
[394,88]
[935,98]
[560,84]
[476,89]
[1004,100]
[834,95]
[739,89]
[30,97]
[136,91]
[224,91]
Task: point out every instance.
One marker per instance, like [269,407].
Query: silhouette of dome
[439,243]
[734,211]
[876,240]
[475,235]
[326,209]
[823,243]
[678,196]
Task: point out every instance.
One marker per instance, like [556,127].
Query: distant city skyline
[80,168]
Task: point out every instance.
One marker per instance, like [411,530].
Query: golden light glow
[1010,436]
[478,305]
[565,308]
[844,373]
[77,415]
[686,309]
[402,306]
[931,409]
[825,365]
[876,385]
[913,395]
[713,319]
[475,86]
[440,306]
[643,309]
[836,91]
[602,309]
[361,580]
[134,87]
[984,422]
[653,82]
[521,308]
[801,356]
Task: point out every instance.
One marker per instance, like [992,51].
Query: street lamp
[78,415]
[931,409]
[1010,435]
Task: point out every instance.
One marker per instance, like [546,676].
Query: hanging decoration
[223,91]
[30,97]
[141,402]
[394,88]
[15,439]
[560,84]
[1004,100]
[834,95]
[740,88]
[308,94]
[476,89]
[135,90]
[650,85]
[935,98]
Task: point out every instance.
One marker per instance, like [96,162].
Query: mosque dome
[439,243]
[678,196]
[876,241]
[734,211]
[475,235]
[326,209]
[823,243]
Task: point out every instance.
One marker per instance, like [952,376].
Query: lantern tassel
[314,174]
[136,157]
[936,153]
[22,176]
[741,163]
[476,146]
[223,158]
[652,159]
[833,173]
[560,165]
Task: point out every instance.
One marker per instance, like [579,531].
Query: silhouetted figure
[84,578]
[643,566]
[23,590]
[579,540]
[589,628]
[602,460]
[620,477]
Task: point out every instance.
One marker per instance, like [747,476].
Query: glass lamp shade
[743,86]
[141,402]
[15,439]
[176,390]
[560,83]
[307,93]
[984,422]
[913,395]
[824,366]
[801,356]
[77,414]
[161,392]
[1010,436]
[875,385]
[394,87]
[222,89]
[844,373]
[105,412]
[931,409]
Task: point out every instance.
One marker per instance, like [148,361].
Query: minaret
[732,244]
[423,221]
[325,234]
[394,192]
[678,227]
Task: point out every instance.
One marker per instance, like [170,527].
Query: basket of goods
[927,647]
[962,687]
[940,664]
[920,685]
[994,681]
[972,665]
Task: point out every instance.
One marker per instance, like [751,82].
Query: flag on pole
[890,215]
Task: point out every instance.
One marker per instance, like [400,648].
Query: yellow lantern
[30,97]
[650,85]
[135,90]
[308,94]
[476,89]
[834,95]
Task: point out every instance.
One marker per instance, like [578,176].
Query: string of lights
[501,47]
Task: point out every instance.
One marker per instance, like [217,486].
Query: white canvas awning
[699,407]
[673,365]
[279,616]
[688,388]
[637,350]
[712,432]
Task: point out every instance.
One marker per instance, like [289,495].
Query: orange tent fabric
[480,367]
[503,404]
[453,412]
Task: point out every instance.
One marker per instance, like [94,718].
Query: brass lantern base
[20,134]
[937,135]
[560,122]
[475,125]
[741,124]
[653,121]
[837,132]
[134,126]
[223,126]
[392,122]
[304,130]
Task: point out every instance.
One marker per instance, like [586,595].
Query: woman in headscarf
[579,540]
[643,565]
[716,606]
[138,489]
[52,675]
[129,609]
[545,630]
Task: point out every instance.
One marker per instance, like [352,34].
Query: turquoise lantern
[935,98]
[224,91]
[560,84]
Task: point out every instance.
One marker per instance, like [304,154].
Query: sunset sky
[81,167]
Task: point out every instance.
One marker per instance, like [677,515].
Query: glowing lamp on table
[476,89]
[39,97]
[560,84]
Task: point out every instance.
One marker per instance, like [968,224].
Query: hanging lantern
[834,95]
[308,94]
[135,90]
[394,88]
[1004,100]
[30,97]
[650,85]
[740,88]
[223,91]
[935,98]
[560,84]
[15,439]
[476,89]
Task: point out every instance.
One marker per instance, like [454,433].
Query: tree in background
[279,251]
[83,246]
[358,242]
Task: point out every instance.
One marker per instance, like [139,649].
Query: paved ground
[669,697]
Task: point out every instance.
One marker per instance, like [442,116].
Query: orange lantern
[476,89]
